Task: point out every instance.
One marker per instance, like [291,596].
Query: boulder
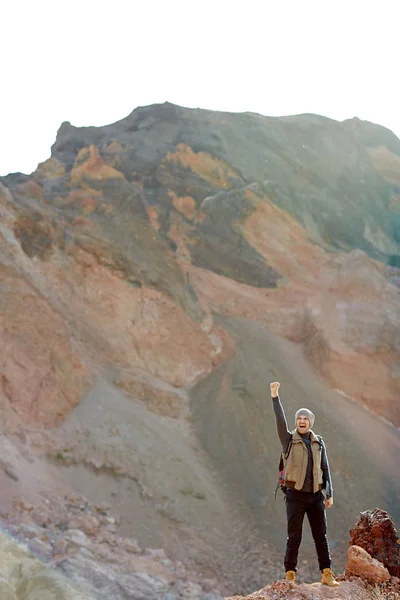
[361,564]
[375,532]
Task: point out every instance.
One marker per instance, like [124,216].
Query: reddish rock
[375,532]
[42,378]
[153,217]
[184,204]
[89,165]
[209,168]
[160,399]
[89,524]
[361,564]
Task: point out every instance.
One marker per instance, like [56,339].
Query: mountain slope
[156,274]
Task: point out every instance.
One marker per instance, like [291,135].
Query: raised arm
[281,424]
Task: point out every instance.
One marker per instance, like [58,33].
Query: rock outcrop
[73,552]
[376,534]
[348,590]
[25,577]
[365,577]
[361,564]
[84,557]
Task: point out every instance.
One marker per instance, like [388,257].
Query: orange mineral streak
[212,169]
[153,217]
[184,204]
[249,195]
[281,239]
[93,167]
[200,217]
[87,199]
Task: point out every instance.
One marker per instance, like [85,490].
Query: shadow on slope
[235,423]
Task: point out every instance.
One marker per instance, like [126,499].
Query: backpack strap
[284,456]
[289,447]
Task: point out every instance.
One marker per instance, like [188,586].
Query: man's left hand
[328,502]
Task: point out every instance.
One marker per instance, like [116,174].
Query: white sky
[92,62]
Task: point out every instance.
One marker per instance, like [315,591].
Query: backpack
[281,468]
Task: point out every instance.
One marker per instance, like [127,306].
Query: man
[306,474]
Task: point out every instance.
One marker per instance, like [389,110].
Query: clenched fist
[274,388]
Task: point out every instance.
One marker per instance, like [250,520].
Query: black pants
[297,505]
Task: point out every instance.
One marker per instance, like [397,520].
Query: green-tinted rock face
[24,577]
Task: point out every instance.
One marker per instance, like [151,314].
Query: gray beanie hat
[307,413]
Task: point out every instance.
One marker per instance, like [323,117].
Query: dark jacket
[285,436]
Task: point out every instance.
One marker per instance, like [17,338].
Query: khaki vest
[296,463]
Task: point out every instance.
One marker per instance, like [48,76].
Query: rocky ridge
[365,577]
[78,554]
[76,549]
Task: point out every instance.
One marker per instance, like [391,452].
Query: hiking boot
[328,578]
[291,576]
